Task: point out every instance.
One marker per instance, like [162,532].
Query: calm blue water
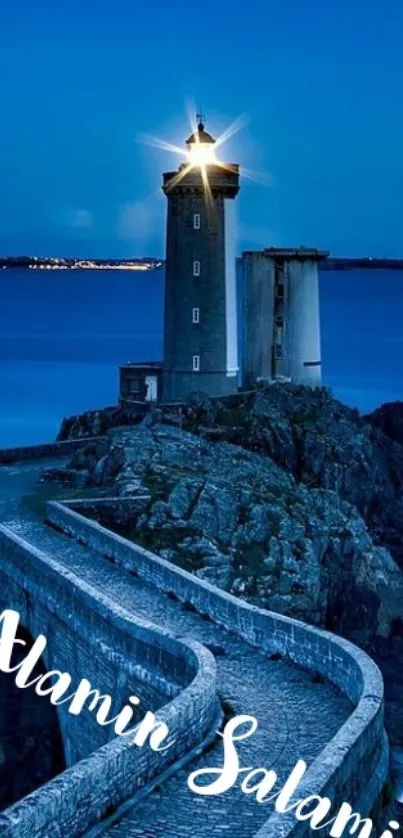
[63,334]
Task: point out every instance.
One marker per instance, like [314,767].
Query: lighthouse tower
[200,331]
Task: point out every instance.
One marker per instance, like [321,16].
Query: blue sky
[320,80]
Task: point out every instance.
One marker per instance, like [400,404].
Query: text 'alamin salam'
[313,809]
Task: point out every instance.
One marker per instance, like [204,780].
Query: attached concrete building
[281,318]
[140,382]
[200,333]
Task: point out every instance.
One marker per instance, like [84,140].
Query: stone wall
[354,766]
[90,635]
[42,452]
[111,509]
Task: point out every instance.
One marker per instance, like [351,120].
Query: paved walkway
[296,716]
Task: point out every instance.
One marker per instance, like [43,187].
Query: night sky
[320,80]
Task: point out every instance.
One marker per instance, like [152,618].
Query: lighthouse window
[196,268]
[196,315]
[196,363]
[196,221]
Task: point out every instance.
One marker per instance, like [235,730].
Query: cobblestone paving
[296,716]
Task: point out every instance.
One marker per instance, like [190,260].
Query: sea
[63,335]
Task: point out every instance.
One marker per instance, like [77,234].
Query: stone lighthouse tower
[200,296]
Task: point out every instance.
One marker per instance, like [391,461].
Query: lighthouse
[200,329]
[278,291]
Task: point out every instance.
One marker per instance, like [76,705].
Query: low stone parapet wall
[112,509]
[85,792]
[354,765]
[46,451]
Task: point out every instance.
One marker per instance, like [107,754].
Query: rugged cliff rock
[273,514]
[322,443]
[389,419]
[95,423]
[283,496]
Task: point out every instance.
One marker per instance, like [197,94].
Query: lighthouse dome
[200,136]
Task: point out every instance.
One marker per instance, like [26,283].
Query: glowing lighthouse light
[200,152]
[201,148]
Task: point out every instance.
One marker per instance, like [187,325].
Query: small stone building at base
[140,382]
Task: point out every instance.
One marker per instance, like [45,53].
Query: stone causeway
[128,620]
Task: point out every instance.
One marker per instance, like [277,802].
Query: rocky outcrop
[95,423]
[283,496]
[321,442]
[237,519]
[389,419]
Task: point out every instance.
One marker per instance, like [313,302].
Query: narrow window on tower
[196,315]
[196,363]
[196,221]
[196,268]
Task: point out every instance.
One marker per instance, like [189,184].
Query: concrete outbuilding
[281,317]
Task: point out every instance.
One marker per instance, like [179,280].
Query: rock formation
[283,496]
[94,423]
[389,419]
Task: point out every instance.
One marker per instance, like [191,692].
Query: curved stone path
[297,716]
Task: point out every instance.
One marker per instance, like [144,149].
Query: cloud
[81,218]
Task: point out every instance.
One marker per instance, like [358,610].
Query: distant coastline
[56,263]
[152,263]
[368,262]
